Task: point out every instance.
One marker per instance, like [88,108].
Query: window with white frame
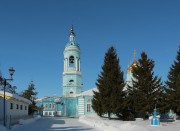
[50,113]
[88,107]
[46,113]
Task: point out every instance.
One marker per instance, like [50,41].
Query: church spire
[72,35]
[134,54]
[72,31]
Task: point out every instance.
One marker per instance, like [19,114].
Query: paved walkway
[54,124]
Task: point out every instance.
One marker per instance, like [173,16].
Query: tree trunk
[109,115]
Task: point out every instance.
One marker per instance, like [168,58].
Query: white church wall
[15,106]
[16,109]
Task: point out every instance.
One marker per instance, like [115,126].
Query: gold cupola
[134,64]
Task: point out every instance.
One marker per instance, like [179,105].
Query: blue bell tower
[72,76]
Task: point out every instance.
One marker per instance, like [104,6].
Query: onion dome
[134,64]
[72,42]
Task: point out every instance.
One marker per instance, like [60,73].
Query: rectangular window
[53,105]
[25,107]
[88,107]
[50,113]
[21,107]
[17,106]
[46,113]
[49,105]
[11,105]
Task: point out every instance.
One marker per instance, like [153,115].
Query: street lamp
[11,72]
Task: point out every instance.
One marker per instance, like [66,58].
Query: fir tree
[110,86]
[173,86]
[128,104]
[96,103]
[146,88]
[30,94]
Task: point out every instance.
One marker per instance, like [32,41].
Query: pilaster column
[79,66]
[64,64]
[76,64]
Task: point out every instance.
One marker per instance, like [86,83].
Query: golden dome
[134,64]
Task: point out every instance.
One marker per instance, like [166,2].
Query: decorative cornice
[73,85]
[72,73]
[71,48]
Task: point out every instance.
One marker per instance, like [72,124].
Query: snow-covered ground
[101,124]
[2,128]
[21,122]
[104,124]
[55,124]
[49,124]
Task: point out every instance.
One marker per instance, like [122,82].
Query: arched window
[71,80]
[71,61]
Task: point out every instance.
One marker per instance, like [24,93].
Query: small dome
[134,64]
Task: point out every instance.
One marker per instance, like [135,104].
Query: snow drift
[104,124]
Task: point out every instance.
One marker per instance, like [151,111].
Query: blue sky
[33,34]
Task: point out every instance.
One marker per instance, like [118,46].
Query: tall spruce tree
[146,88]
[110,84]
[30,94]
[173,86]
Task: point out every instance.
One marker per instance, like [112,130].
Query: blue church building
[73,102]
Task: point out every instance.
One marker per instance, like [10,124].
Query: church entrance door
[71,107]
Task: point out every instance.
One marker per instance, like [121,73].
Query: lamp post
[11,72]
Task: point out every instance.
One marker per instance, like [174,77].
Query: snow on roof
[17,97]
[88,92]
[40,99]
[46,97]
